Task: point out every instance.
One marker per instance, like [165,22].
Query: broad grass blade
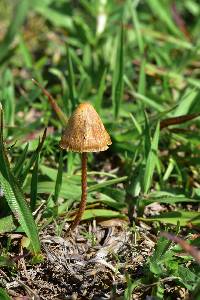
[103,213]
[186,218]
[15,197]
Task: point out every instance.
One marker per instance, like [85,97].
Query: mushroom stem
[84,193]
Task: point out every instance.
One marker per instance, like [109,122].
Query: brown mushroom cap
[85,131]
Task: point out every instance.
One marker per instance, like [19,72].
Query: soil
[94,262]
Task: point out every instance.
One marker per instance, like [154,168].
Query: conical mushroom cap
[85,131]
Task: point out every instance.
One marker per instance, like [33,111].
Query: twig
[186,247]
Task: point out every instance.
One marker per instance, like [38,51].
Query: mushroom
[84,133]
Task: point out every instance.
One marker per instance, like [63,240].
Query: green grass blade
[102,87]
[15,198]
[186,101]
[20,162]
[184,217]
[8,97]
[65,97]
[26,54]
[71,190]
[71,81]
[67,191]
[103,213]
[34,184]
[7,224]
[59,178]
[144,99]
[61,115]
[19,15]
[20,209]
[52,15]
[136,25]
[151,160]
[161,9]
[101,185]
[147,101]
[142,78]
[118,81]
[136,124]
[33,158]
[4,295]
[147,136]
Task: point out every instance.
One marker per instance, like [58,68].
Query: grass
[137,62]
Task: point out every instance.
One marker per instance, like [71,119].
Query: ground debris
[92,263]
